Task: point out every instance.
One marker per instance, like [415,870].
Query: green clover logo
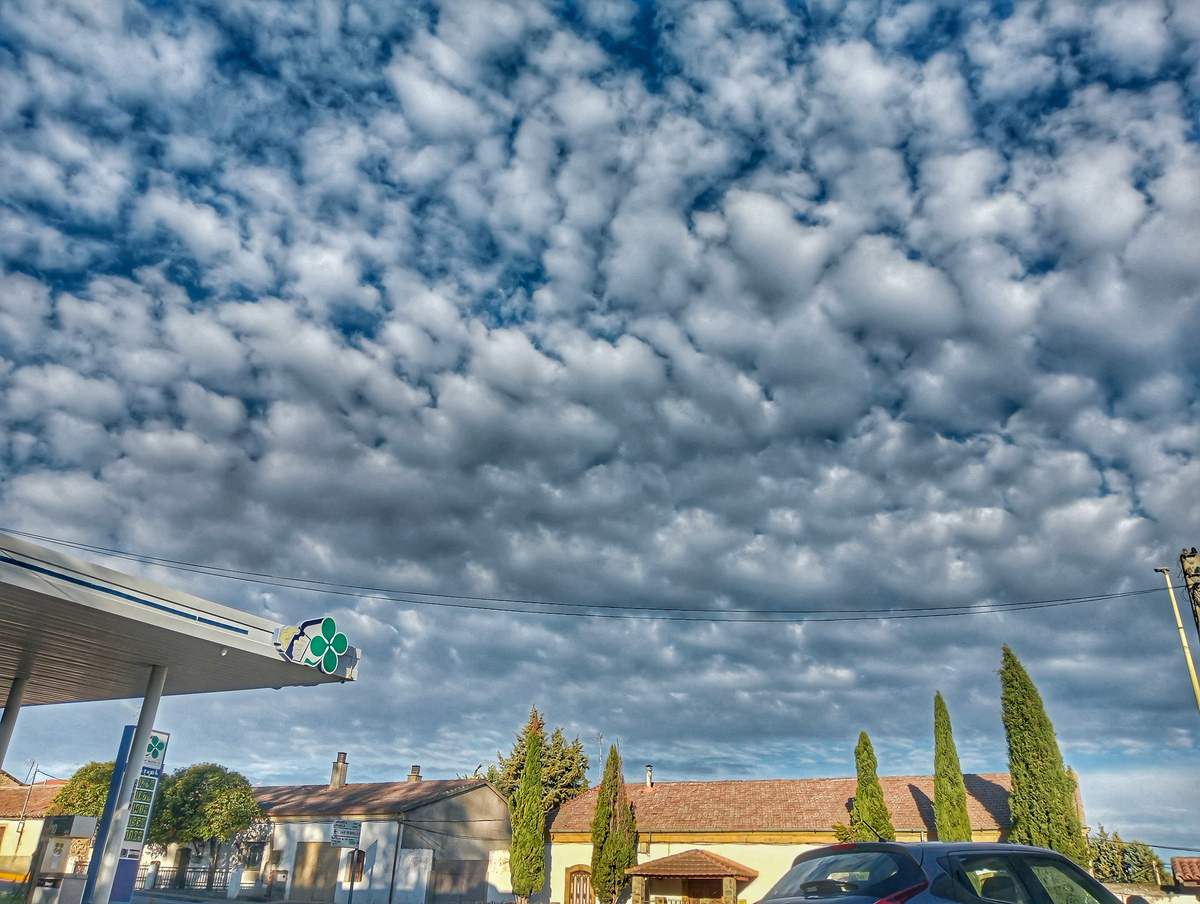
[325,647]
[155,747]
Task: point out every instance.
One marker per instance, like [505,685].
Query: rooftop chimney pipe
[649,776]
[338,778]
[415,774]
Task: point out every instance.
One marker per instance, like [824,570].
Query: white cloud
[736,308]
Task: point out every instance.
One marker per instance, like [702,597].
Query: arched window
[579,885]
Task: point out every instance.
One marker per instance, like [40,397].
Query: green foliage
[614,833]
[564,771]
[527,857]
[85,791]
[842,832]
[1115,860]
[869,817]
[949,792]
[203,803]
[564,766]
[1043,791]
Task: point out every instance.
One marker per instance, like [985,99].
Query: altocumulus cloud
[714,305]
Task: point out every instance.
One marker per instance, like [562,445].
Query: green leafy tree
[564,770]
[85,792]
[201,805]
[949,792]
[1043,791]
[527,854]
[564,765]
[614,833]
[1116,860]
[869,817]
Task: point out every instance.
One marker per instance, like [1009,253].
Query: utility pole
[1187,653]
[1189,561]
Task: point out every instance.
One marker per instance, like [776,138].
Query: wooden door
[579,887]
[702,891]
[314,876]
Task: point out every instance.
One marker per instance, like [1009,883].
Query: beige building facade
[756,827]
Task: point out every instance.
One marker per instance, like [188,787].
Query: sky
[707,321]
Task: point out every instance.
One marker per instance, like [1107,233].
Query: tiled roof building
[1187,872]
[786,805]
[732,840]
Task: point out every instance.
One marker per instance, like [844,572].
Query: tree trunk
[213,847]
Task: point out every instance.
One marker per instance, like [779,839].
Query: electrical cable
[594,610]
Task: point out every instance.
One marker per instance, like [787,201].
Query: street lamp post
[1187,653]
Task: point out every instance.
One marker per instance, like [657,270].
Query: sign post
[347,833]
[148,770]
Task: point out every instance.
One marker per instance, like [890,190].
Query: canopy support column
[12,706]
[120,820]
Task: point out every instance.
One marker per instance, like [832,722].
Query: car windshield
[844,873]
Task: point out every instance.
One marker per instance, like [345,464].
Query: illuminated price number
[143,796]
[147,783]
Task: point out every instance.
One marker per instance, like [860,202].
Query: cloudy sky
[743,314]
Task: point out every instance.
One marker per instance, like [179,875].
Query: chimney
[649,776]
[415,774]
[338,778]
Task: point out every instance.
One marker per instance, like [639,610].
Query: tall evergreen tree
[949,791]
[564,770]
[564,766]
[527,854]
[614,833]
[1043,791]
[869,818]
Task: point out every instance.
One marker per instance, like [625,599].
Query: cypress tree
[527,854]
[507,777]
[869,818]
[1043,791]
[949,793]
[614,833]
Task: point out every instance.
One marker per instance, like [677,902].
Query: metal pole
[396,855]
[120,820]
[1187,653]
[12,706]
[353,873]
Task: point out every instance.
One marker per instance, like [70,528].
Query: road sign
[346,833]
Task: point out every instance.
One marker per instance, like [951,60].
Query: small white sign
[346,833]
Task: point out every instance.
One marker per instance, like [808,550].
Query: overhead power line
[587,610]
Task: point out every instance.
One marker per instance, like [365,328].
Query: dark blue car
[936,873]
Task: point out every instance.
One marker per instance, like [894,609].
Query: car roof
[939,848]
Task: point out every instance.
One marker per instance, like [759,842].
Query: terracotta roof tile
[13,800]
[693,864]
[782,805]
[1186,869]
[357,799]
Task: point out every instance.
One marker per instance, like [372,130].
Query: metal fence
[193,877]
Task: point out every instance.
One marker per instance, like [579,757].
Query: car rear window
[848,873]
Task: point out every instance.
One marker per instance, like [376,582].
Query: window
[994,878]
[1066,885]
[829,875]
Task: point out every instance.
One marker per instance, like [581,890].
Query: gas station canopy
[78,632]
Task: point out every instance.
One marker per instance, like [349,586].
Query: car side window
[995,879]
[1062,884]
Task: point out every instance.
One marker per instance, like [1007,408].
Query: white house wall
[499,877]
[378,841]
[412,876]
